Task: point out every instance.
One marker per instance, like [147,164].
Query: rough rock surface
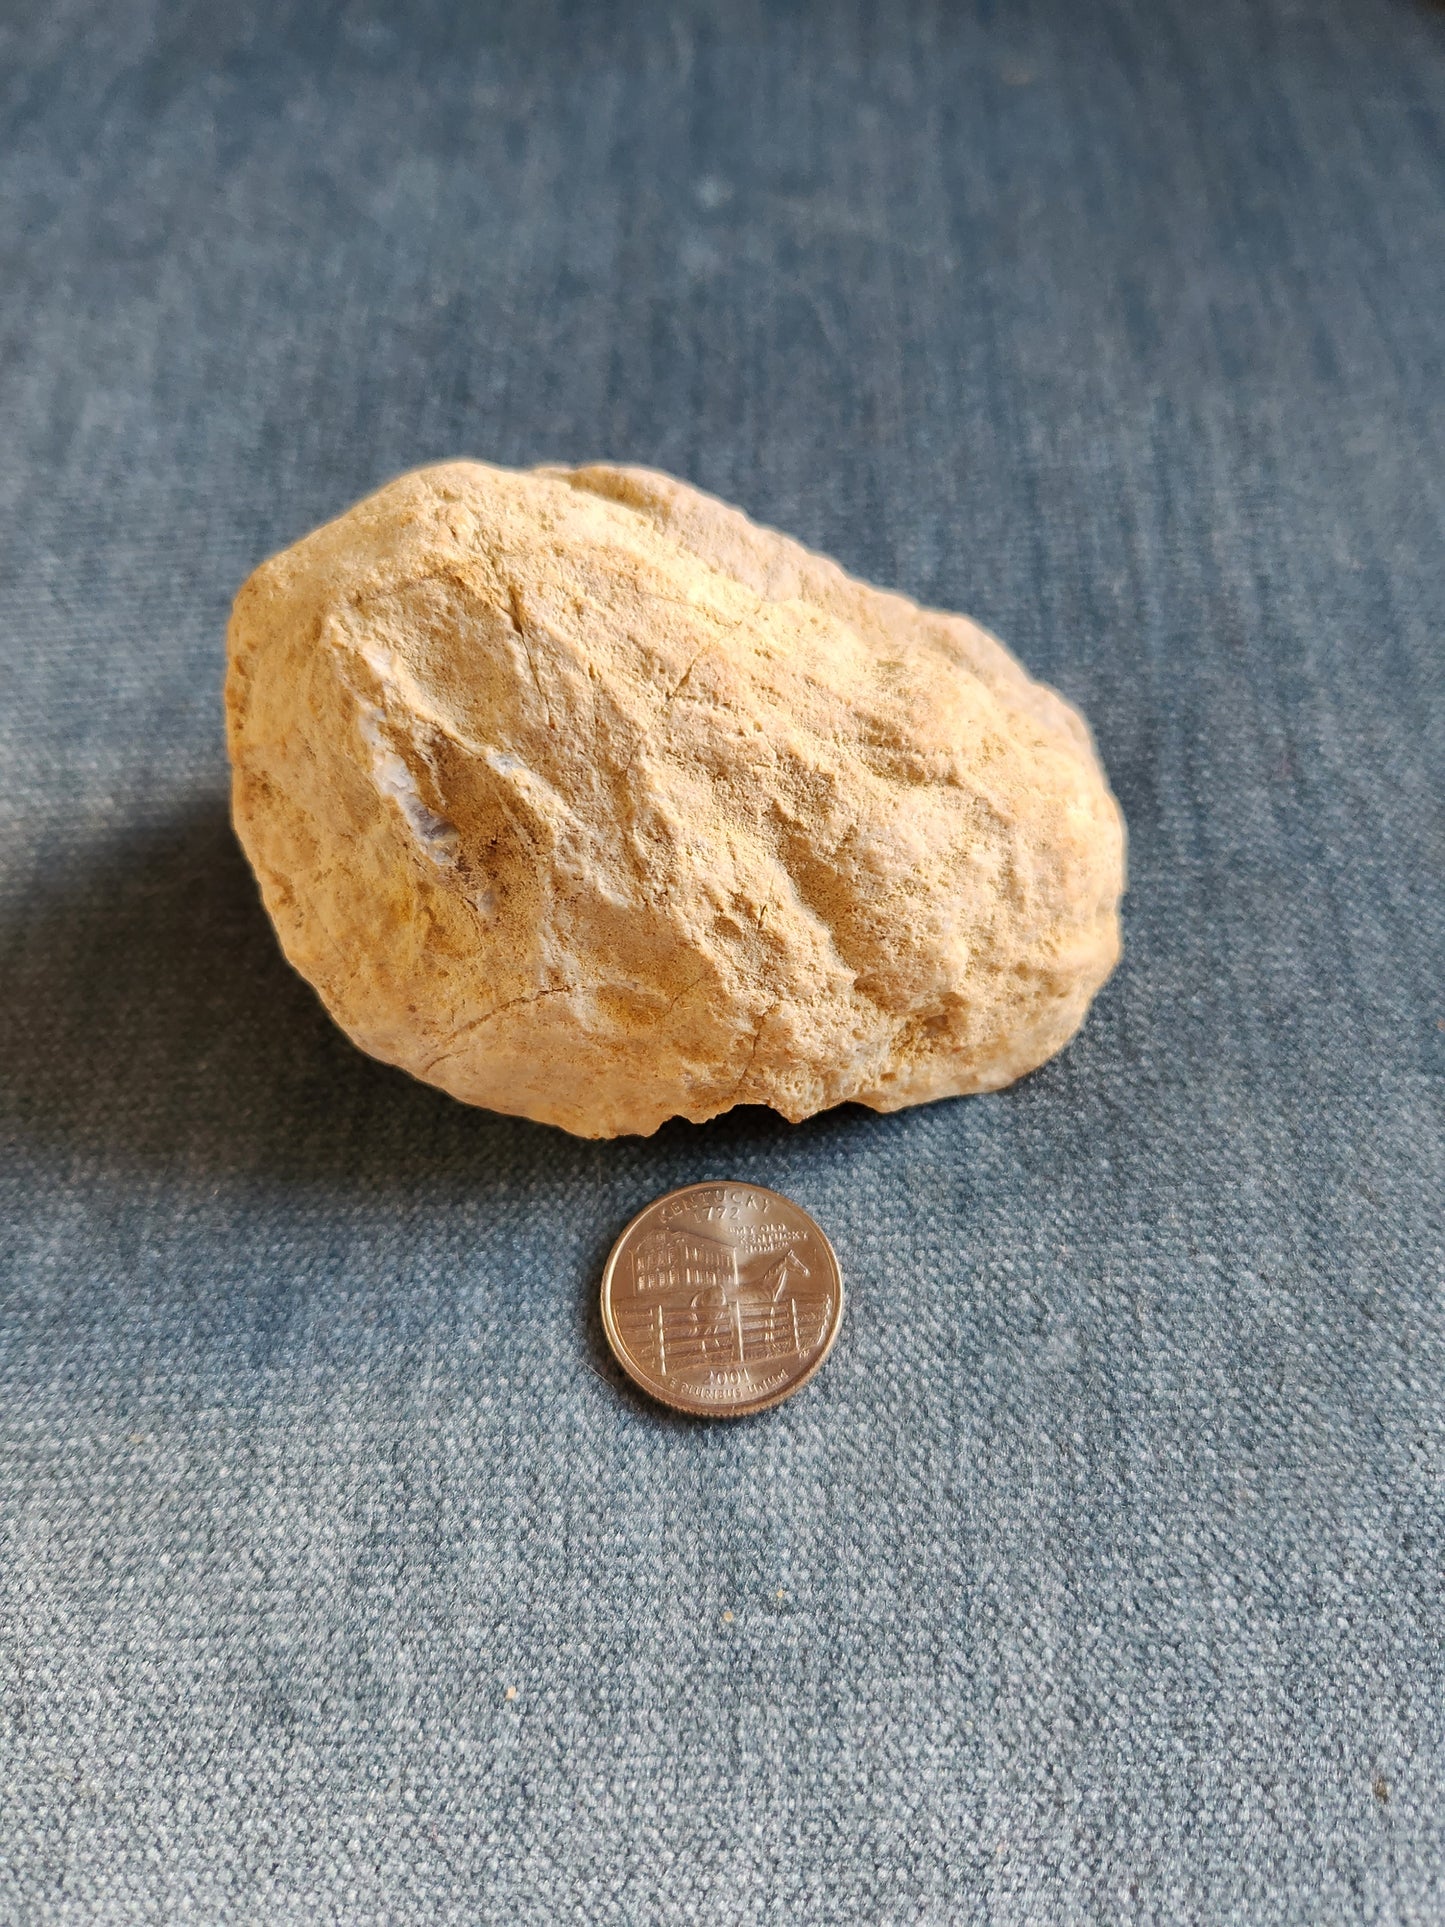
[577,793]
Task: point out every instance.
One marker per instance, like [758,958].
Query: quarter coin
[721,1299]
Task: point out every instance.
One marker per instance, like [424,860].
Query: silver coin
[721,1299]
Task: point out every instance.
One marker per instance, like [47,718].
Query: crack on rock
[476,1023]
[686,990]
[662,714]
[517,615]
[776,1005]
[651,728]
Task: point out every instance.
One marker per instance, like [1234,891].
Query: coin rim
[699,1408]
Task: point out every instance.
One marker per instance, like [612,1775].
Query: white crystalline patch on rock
[393,779]
[586,798]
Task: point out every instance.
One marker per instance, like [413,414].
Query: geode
[577,793]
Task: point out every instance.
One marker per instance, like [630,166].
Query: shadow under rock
[148,1020]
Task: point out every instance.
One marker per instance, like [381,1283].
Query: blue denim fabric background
[1099,1576]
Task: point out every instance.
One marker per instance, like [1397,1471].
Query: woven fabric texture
[1098,1578]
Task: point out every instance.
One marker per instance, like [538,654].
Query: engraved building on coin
[722,1298]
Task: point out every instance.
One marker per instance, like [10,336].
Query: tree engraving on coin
[721,1298]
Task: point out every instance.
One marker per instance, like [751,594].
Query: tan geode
[580,795]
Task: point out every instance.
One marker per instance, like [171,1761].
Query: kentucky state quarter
[721,1299]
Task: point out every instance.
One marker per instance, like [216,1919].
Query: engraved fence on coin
[699,1302]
